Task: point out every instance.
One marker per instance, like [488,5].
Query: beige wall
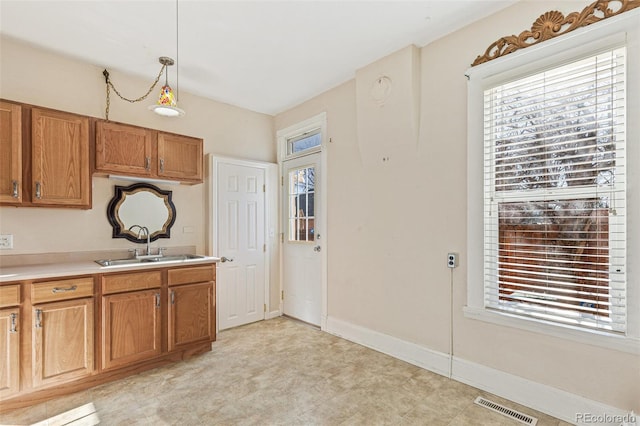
[42,78]
[391,224]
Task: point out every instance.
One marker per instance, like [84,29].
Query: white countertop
[63,269]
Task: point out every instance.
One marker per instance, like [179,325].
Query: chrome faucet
[146,232]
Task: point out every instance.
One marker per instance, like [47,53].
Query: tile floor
[283,372]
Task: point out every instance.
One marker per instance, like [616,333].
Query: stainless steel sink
[144,260]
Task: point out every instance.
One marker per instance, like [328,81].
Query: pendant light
[167,101]
[166,105]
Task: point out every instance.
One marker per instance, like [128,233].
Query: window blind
[555,194]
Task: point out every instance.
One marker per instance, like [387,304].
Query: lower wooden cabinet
[62,341]
[131,329]
[66,334]
[191,314]
[9,352]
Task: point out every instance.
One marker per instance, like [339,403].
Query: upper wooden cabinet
[10,152]
[135,151]
[124,149]
[180,157]
[60,159]
[44,157]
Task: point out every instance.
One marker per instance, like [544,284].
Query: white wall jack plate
[452,260]
[6,241]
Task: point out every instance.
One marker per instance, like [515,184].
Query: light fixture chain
[110,85]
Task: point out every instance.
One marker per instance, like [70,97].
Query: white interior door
[302,260]
[241,244]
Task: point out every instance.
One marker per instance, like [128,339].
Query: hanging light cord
[111,86]
[177,57]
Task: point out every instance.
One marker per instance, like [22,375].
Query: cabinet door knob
[173,297]
[38,190]
[162,165]
[16,185]
[157,300]
[147,163]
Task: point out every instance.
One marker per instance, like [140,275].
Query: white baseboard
[397,348]
[546,399]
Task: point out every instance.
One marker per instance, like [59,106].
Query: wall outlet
[6,241]
[452,260]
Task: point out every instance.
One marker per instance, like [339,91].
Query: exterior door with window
[302,239]
[241,244]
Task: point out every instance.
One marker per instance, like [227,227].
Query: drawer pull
[173,297]
[64,290]
[147,163]
[38,318]
[157,300]
[15,189]
[38,190]
[162,165]
[13,328]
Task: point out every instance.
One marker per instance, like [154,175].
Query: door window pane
[301,184]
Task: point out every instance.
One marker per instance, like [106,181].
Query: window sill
[591,337]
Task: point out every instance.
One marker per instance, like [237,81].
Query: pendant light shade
[166,105]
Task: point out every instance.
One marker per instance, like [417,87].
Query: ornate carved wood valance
[552,24]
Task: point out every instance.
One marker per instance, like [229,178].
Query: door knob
[226,259]
[317,248]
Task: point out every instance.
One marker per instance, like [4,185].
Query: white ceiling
[266,56]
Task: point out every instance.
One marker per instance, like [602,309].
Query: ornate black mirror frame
[137,192]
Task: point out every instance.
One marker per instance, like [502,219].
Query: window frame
[613,32]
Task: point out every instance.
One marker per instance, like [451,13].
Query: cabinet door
[10,152]
[60,159]
[62,347]
[131,327]
[180,157]
[124,149]
[191,315]
[9,352]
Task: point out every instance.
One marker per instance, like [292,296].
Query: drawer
[49,291]
[9,295]
[196,274]
[129,282]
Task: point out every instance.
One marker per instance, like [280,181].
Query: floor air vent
[508,412]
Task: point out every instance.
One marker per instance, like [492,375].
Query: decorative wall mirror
[141,204]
